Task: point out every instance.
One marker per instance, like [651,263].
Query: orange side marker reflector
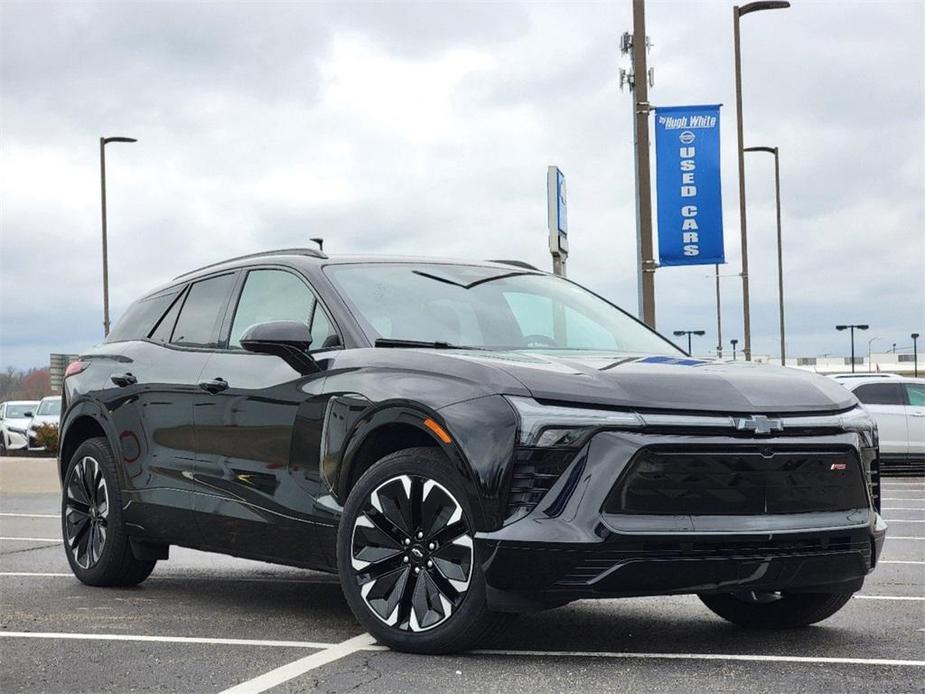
[438,430]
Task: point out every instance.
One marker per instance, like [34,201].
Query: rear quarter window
[138,321]
[880,394]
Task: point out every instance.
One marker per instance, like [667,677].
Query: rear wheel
[407,558]
[95,541]
[769,610]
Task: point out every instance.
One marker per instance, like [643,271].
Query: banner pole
[640,101]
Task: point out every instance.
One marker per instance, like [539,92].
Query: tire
[95,540]
[775,610]
[428,593]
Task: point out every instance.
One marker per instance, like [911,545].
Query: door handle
[123,380]
[216,385]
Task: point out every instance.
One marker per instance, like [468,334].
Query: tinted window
[165,326]
[18,411]
[916,394]
[140,317]
[200,316]
[880,394]
[271,295]
[487,307]
[323,334]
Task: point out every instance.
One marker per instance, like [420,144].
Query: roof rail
[312,252]
[517,263]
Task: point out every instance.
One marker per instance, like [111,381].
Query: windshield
[49,407]
[489,308]
[19,411]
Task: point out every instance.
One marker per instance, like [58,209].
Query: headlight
[551,425]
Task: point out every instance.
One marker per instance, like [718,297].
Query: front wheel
[95,541]
[407,559]
[765,610]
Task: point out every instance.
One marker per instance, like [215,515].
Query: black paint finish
[254,455]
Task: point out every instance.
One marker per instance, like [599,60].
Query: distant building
[879,362]
[57,365]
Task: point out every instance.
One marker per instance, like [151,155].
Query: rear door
[151,398]
[915,418]
[257,504]
[887,403]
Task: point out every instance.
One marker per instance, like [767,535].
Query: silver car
[15,416]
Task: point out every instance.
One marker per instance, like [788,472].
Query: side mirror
[286,339]
[28,414]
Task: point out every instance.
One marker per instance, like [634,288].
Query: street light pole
[915,354]
[689,333]
[734,343]
[780,248]
[852,326]
[103,142]
[738,12]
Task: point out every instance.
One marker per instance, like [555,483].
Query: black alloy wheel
[86,512]
[96,543]
[407,559]
[412,553]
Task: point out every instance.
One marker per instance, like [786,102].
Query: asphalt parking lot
[208,623]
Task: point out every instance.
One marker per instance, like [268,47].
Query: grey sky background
[427,128]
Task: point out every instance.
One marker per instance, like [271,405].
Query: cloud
[426,128]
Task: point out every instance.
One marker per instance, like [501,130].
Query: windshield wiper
[437,344]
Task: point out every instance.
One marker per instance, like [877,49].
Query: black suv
[459,442]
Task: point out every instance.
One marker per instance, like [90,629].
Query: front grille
[739,480]
[593,563]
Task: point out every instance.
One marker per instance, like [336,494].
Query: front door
[254,504]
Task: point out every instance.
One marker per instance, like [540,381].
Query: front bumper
[582,551]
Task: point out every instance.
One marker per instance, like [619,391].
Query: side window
[915,392]
[164,328]
[141,316]
[323,333]
[271,295]
[201,313]
[880,394]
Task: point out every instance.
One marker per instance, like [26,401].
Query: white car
[850,376]
[47,412]
[898,405]
[14,422]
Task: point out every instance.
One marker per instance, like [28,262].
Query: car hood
[668,383]
[17,422]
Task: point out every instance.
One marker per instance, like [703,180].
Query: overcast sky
[427,128]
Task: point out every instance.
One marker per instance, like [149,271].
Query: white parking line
[899,561]
[886,597]
[704,656]
[33,539]
[902,508]
[299,667]
[162,639]
[900,498]
[30,515]
[903,537]
[906,520]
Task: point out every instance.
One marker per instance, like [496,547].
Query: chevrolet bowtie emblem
[759,424]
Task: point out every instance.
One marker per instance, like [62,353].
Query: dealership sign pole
[557,218]
[690,205]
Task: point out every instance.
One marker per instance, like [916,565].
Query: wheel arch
[392,427]
[83,421]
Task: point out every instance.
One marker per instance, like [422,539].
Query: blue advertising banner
[687,176]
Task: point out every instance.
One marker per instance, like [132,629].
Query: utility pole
[637,44]
[915,354]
